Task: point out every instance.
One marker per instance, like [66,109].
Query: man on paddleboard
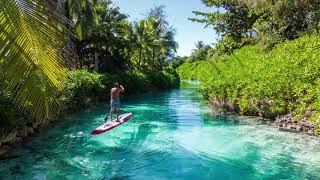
[115,100]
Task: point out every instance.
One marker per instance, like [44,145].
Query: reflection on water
[172,135]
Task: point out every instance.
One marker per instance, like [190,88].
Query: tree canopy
[243,22]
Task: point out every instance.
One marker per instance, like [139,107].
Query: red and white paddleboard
[110,125]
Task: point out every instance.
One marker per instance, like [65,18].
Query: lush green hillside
[285,79]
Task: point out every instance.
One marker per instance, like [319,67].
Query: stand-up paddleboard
[110,125]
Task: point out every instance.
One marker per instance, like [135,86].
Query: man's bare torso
[115,94]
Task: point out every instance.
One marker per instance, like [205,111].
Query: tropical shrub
[82,88]
[285,79]
[10,115]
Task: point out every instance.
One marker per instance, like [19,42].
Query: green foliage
[108,42]
[286,19]
[233,20]
[103,45]
[200,53]
[243,22]
[277,81]
[154,44]
[10,116]
[82,88]
[164,79]
[31,62]
[176,62]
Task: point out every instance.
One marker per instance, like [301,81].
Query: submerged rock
[299,128]
[287,130]
[23,132]
[16,140]
[4,150]
[293,126]
[8,138]
[30,131]
[287,121]
[310,132]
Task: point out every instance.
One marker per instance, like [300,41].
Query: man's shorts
[115,104]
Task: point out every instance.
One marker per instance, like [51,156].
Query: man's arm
[111,94]
[121,88]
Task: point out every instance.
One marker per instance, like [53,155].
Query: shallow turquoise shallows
[172,135]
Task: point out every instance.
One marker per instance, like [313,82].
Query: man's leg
[111,113]
[118,114]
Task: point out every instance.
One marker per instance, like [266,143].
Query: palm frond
[32,54]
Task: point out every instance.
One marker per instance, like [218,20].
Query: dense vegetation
[274,82]
[267,60]
[83,88]
[243,22]
[57,56]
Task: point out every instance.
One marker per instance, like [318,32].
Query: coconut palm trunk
[96,61]
[140,57]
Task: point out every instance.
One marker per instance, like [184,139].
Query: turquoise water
[172,135]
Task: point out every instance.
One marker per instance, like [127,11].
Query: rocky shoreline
[287,123]
[282,122]
[32,127]
[17,136]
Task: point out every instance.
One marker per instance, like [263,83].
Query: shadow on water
[118,178]
[143,132]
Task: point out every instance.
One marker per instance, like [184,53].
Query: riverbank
[83,89]
[285,122]
[281,84]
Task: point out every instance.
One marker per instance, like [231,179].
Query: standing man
[115,100]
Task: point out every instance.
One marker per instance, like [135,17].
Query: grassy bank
[272,83]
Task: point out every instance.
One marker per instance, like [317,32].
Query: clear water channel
[172,135]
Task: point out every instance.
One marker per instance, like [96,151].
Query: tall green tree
[32,64]
[82,21]
[163,41]
[82,16]
[108,39]
[143,42]
[200,53]
[233,20]
[154,43]
[199,45]
[241,22]
[286,19]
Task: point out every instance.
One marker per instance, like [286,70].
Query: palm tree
[110,29]
[153,43]
[32,64]
[99,28]
[82,21]
[163,41]
[143,40]
[82,16]
[199,45]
